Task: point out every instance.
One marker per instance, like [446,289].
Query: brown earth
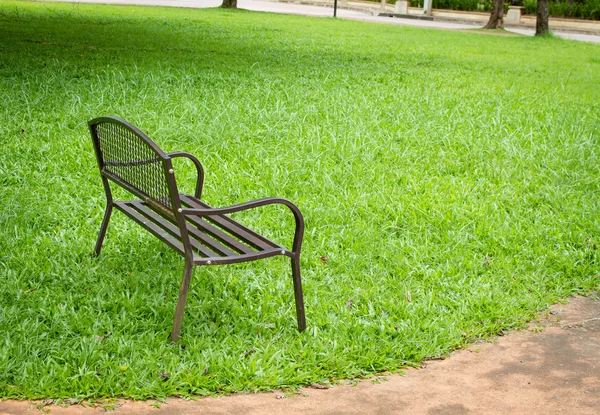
[551,368]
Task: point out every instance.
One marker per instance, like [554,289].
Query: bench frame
[128,158]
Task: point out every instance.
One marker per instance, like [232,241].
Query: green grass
[451,179]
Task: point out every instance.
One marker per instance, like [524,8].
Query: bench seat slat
[209,246]
[215,250]
[172,228]
[238,258]
[153,228]
[215,245]
[248,236]
[221,236]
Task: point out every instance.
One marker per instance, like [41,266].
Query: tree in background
[497,18]
[541,21]
[229,4]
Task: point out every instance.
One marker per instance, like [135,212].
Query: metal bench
[201,234]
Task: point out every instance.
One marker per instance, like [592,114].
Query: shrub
[582,9]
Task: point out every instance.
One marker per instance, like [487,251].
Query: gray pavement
[343,13]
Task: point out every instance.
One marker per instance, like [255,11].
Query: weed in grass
[449,184]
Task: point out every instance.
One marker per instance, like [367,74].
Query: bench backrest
[128,157]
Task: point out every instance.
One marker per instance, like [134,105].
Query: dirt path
[552,368]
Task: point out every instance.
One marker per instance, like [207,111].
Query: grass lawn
[451,180]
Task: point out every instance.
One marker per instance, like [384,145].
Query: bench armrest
[199,170]
[298,233]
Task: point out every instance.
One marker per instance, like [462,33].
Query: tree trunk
[541,21]
[229,4]
[497,18]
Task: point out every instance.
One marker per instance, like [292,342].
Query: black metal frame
[201,234]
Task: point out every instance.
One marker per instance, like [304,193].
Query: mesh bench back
[130,158]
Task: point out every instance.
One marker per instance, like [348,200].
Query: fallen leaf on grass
[102,338]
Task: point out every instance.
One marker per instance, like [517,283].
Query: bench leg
[103,227]
[183,291]
[298,294]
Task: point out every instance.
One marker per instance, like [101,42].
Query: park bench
[201,234]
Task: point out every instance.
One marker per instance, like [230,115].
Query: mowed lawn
[449,183]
